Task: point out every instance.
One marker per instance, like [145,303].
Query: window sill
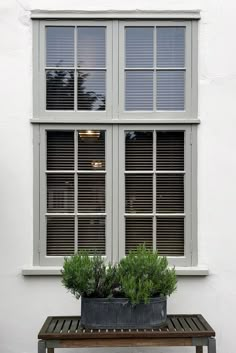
[56,271]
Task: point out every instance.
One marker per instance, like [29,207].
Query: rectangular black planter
[118,313]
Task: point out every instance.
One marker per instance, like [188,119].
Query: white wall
[26,301]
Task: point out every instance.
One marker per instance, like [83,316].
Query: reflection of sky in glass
[139,90]
[170,90]
[139,47]
[170,47]
[91,43]
[60,46]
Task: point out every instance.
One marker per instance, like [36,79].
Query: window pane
[91,150]
[139,47]
[60,192]
[170,150]
[60,236]
[60,46]
[138,231]
[170,90]
[91,47]
[139,90]
[91,193]
[138,193]
[170,193]
[170,236]
[170,47]
[60,90]
[91,90]
[60,150]
[139,150]
[91,234]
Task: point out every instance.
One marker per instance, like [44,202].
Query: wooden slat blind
[139,150]
[90,151]
[60,235]
[138,231]
[60,150]
[76,189]
[91,193]
[91,234]
[162,202]
[60,192]
[170,236]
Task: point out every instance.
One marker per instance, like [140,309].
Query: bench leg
[50,350]
[199,349]
[211,345]
[41,347]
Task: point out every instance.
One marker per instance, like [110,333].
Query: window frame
[115,73]
[41,198]
[40,81]
[112,117]
[156,114]
[115,190]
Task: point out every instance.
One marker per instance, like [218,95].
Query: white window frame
[115,190]
[110,119]
[115,75]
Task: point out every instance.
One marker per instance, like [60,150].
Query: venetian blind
[75,68]
[154,191]
[154,68]
[76,183]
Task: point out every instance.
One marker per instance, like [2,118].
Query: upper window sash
[147,74]
[115,74]
[68,67]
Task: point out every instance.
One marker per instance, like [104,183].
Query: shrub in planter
[130,294]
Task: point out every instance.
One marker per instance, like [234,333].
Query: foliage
[88,276]
[142,274]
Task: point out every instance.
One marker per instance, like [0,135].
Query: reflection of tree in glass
[88,100]
[60,92]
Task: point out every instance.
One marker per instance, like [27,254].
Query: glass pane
[139,150]
[60,46]
[59,90]
[91,234]
[91,90]
[170,150]
[170,236]
[139,47]
[139,90]
[91,45]
[170,90]
[60,236]
[138,231]
[91,193]
[91,150]
[60,150]
[138,193]
[170,193]
[60,193]
[170,46]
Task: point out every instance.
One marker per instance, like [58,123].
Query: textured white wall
[24,301]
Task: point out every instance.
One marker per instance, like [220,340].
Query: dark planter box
[118,313]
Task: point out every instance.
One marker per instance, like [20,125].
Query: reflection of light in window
[89,134]
[96,164]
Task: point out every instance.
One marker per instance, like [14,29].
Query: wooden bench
[180,330]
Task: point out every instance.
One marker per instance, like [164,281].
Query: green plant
[88,276]
[144,274]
